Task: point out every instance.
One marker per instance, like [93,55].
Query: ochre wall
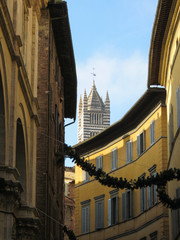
[155,154]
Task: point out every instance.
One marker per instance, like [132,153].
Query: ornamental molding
[7,28]
[27,228]
[8,172]
[10,194]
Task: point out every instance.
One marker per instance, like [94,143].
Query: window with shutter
[85,176]
[176,219]
[124,206]
[152,192]
[127,204]
[113,208]
[178,106]
[142,199]
[178,211]
[99,162]
[85,209]
[153,236]
[141,143]
[129,151]
[109,212]
[114,159]
[99,212]
[152,132]
[170,128]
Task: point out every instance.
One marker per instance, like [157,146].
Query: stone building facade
[69,181]
[37,90]
[94,114]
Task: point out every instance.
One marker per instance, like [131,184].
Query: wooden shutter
[131,203]
[97,163]
[87,218]
[141,199]
[109,212]
[171,128]
[178,106]
[131,150]
[149,197]
[144,198]
[138,145]
[101,162]
[112,159]
[127,152]
[174,223]
[101,211]
[124,206]
[87,176]
[115,157]
[96,215]
[152,132]
[144,140]
[178,210]
[83,220]
[117,210]
[99,214]
[84,175]
[155,190]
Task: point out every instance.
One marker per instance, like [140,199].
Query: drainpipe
[70,123]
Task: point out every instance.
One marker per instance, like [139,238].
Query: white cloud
[125,79]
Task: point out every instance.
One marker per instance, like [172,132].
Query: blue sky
[112,36]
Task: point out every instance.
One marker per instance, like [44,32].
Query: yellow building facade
[134,147]
[166,69]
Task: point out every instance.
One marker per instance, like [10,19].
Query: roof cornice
[157,43]
[62,34]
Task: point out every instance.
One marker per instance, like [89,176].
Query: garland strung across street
[70,233]
[105,179]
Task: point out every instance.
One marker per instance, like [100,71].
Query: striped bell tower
[94,114]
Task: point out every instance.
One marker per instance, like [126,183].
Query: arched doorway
[2,124]
[21,157]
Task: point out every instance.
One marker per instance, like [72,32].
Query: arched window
[21,157]
[2,124]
